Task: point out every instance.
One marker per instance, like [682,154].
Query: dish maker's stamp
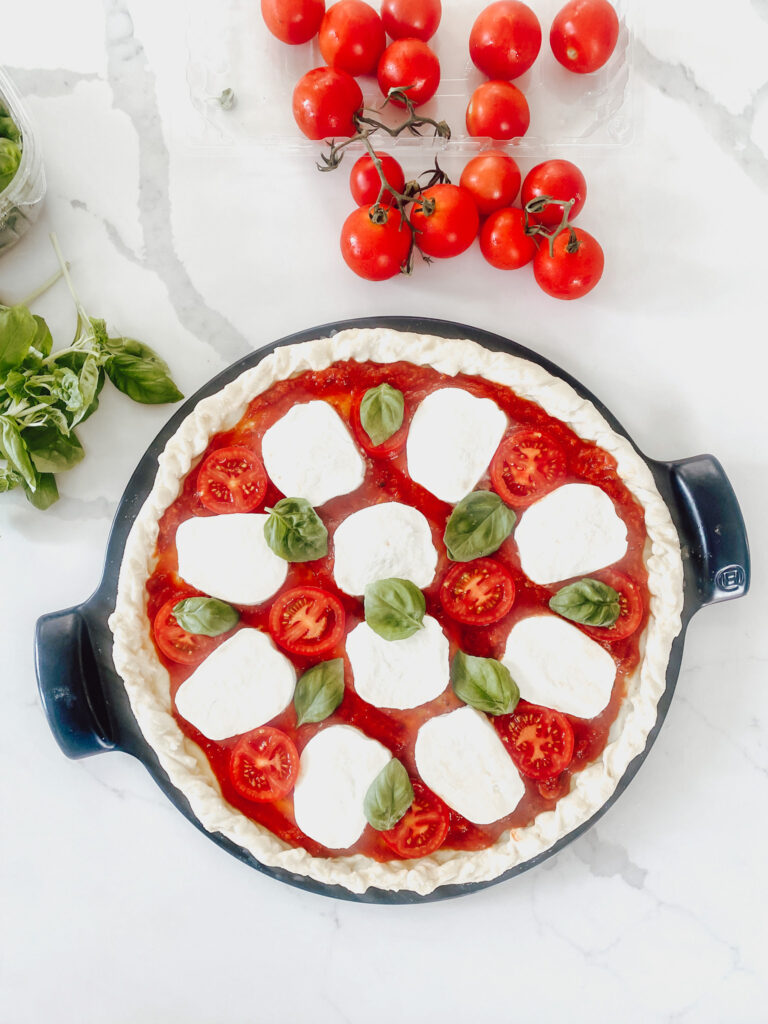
[730,578]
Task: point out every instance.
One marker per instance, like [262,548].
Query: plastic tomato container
[229,47]
[22,199]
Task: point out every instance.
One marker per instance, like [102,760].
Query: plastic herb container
[22,199]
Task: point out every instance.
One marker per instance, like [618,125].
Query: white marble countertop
[114,907]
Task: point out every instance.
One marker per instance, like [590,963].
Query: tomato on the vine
[264,765]
[375,249]
[325,102]
[445,221]
[423,827]
[307,620]
[293,21]
[558,179]
[527,465]
[492,178]
[498,110]
[411,19]
[504,241]
[539,740]
[505,39]
[572,268]
[477,593]
[412,65]
[352,37]
[365,183]
[584,35]
[232,479]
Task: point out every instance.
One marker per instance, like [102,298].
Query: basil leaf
[389,796]
[10,158]
[589,602]
[381,412]
[42,340]
[50,450]
[17,332]
[484,684]
[139,372]
[45,492]
[394,608]
[478,526]
[9,129]
[88,382]
[319,691]
[295,532]
[15,451]
[9,479]
[205,616]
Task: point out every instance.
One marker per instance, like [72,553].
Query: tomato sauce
[386,479]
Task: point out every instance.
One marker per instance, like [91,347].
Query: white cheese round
[570,531]
[310,454]
[240,686]
[399,673]
[461,758]
[383,542]
[337,767]
[451,441]
[228,557]
[558,666]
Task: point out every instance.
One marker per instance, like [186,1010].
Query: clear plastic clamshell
[22,199]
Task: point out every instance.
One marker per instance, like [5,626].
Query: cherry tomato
[492,179]
[505,39]
[573,268]
[307,620]
[232,479]
[584,35]
[365,183]
[375,251]
[175,642]
[498,110]
[595,465]
[387,449]
[539,740]
[528,463]
[409,63]
[477,593]
[411,19]
[555,786]
[293,21]
[423,827]
[558,179]
[630,602]
[324,103]
[264,765]
[503,240]
[446,224]
[352,37]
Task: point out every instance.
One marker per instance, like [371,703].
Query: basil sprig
[381,412]
[484,684]
[206,616]
[590,602]
[389,796]
[394,608]
[295,532]
[319,691]
[478,526]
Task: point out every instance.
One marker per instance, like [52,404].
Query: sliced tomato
[555,786]
[307,620]
[176,643]
[423,827]
[232,479]
[527,465]
[594,464]
[387,449]
[264,765]
[539,740]
[478,592]
[630,602]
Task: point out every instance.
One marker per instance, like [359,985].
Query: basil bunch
[478,526]
[10,148]
[590,602]
[381,412]
[389,796]
[205,616]
[484,684]
[394,608]
[295,531]
[45,395]
[319,691]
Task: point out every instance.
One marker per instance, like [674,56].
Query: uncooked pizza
[397,611]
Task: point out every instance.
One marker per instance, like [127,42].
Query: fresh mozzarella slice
[382,542]
[240,686]
[451,441]
[570,531]
[462,759]
[337,767]
[555,664]
[399,673]
[228,557]
[310,454]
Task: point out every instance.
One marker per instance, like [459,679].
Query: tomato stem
[534,206]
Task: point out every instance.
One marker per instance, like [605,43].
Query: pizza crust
[147,683]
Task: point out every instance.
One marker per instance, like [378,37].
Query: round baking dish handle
[69,683]
[713,529]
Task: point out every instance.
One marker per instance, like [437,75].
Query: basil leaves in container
[22,181]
